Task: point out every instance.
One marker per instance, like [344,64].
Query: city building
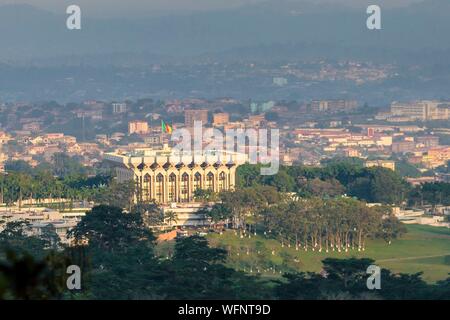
[421,110]
[280,81]
[262,107]
[437,156]
[153,139]
[254,120]
[138,127]
[187,214]
[333,106]
[160,178]
[403,146]
[388,164]
[428,141]
[352,153]
[39,217]
[119,108]
[220,119]
[192,115]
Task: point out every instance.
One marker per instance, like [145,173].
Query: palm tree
[171,216]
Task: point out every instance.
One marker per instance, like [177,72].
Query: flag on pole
[166,128]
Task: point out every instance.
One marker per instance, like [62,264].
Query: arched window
[210,181]
[222,181]
[138,182]
[197,181]
[172,188]
[160,188]
[146,187]
[185,187]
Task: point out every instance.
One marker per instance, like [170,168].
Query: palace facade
[158,177]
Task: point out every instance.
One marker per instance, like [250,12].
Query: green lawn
[423,248]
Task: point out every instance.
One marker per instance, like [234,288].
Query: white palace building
[170,180]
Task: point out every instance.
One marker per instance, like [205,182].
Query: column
[191,185]
[178,192]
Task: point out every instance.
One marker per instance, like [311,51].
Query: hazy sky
[146,7]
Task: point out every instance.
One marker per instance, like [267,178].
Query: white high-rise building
[421,110]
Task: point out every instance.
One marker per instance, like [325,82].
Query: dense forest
[119,262]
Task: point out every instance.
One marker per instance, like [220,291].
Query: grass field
[423,248]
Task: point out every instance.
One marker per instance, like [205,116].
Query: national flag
[166,128]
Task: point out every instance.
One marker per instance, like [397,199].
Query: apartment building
[421,110]
[138,127]
[220,119]
[192,115]
[388,164]
[333,106]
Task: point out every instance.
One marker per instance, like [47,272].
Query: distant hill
[305,30]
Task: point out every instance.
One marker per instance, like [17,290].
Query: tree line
[63,178]
[116,253]
[15,187]
[66,178]
[335,224]
[345,177]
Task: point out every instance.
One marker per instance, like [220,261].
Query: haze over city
[247,150]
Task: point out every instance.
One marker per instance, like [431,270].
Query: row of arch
[179,186]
